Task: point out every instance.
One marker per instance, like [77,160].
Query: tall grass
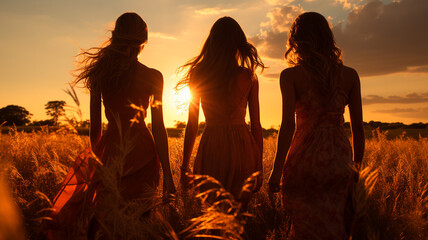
[391,198]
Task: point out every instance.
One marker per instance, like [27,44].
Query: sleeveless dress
[318,175]
[82,187]
[227,150]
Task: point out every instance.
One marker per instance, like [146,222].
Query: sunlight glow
[182,99]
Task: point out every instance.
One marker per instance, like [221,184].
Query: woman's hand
[274,181]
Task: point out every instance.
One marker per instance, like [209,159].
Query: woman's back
[227,150]
[221,80]
[304,86]
[127,150]
[132,101]
[318,173]
[313,107]
[230,106]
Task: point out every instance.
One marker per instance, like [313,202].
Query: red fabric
[131,144]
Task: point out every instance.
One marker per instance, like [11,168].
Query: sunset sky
[385,41]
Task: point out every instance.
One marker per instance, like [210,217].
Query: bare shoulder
[289,74]
[149,75]
[350,74]
[149,72]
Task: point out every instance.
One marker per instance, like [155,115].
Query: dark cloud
[385,38]
[408,99]
[418,69]
[398,110]
[377,39]
[415,113]
[270,76]
[273,45]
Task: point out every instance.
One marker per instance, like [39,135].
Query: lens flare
[182,98]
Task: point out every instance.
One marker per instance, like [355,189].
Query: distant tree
[396,125]
[55,109]
[418,125]
[13,114]
[179,124]
[86,123]
[48,122]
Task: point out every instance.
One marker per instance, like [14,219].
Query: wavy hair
[311,44]
[224,52]
[103,68]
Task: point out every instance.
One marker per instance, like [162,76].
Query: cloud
[279,2]
[271,76]
[161,35]
[385,38]
[272,39]
[349,4]
[214,11]
[407,99]
[398,110]
[418,69]
[414,113]
[377,38]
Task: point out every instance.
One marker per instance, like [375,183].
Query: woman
[222,78]
[318,175]
[114,76]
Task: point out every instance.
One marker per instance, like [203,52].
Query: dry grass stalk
[393,191]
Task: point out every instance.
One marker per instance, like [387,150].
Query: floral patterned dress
[318,175]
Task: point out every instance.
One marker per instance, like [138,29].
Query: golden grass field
[391,198]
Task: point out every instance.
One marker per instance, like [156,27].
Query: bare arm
[256,127]
[191,130]
[286,130]
[160,136]
[254,108]
[356,115]
[190,134]
[95,115]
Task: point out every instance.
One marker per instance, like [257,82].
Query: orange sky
[38,42]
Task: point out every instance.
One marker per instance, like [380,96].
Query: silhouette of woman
[318,176]
[222,78]
[114,76]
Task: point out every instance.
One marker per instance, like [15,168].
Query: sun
[184,95]
[182,98]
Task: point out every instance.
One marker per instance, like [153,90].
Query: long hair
[311,44]
[103,68]
[224,52]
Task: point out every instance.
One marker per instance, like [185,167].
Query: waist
[326,120]
[126,124]
[225,122]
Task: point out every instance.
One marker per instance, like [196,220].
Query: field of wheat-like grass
[391,200]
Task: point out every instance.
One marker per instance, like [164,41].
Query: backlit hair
[224,52]
[311,44]
[103,68]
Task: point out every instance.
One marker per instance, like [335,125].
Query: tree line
[14,115]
